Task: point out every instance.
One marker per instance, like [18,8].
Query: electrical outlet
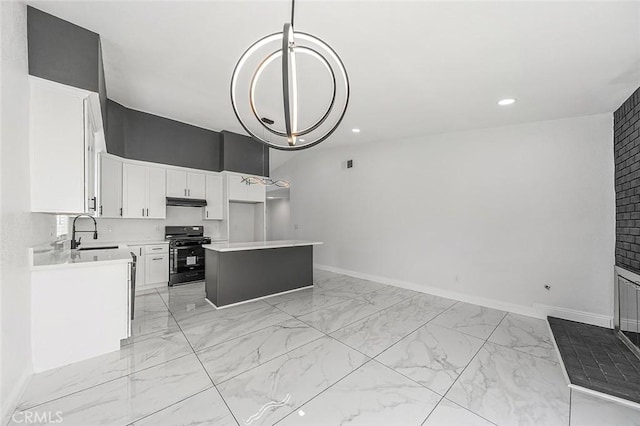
[547,287]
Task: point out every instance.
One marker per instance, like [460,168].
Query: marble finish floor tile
[471,319]
[309,302]
[337,316]
[207,315]
[149,304]
[377,332]
[508,387]
[525,334]
[236,356]
[449,414]
[217,329]
[293,295]
[153,322]
[269,392]
[204,408]
[189,309]
[154,350]
[132,397]
[386,296]
[359,287]
[329,280]
[371,395]
[588,410]
[432,356]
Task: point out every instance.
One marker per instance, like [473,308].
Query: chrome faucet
[75,244]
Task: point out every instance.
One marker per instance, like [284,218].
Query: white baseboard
[573,315]
[10,403]
[536,311]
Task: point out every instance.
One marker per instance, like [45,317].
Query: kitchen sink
[98,248]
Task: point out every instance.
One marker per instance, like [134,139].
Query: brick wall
[627,158]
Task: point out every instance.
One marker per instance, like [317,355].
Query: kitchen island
[239,272]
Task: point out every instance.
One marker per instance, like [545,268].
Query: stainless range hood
[185,202]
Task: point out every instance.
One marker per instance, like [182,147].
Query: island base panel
[238,276]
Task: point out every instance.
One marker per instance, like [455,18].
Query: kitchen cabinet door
[256,193]
[110,187]
[196,185]
[176,183]
[236,188]
[57,148]
[134,189]
[90,162]
[156,193]
[157,268]
[214,209]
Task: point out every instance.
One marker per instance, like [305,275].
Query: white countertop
[258,245]
[49,257]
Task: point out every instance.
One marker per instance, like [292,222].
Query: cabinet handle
[120,211]
[147,212]
[185,192]
[189,192]
[207,213]
[157,248]
[143,212]
[94,203]
[100,210]
[157,258]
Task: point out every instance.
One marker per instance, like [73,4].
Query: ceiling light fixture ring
[256,76]
[291,43]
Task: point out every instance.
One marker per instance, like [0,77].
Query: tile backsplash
[116,230]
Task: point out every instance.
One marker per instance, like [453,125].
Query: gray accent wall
[63,52]
[160,140]
[243,154]
[141,136]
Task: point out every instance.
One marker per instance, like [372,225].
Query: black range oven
[186,255]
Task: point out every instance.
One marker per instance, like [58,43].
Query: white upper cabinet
[242,191]
[65,136]
[182,184]
[156,193]
[144,192]
[110,186]
[176,183]
[196,187]
[215,201]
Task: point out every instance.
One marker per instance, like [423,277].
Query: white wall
[495,213]
[122,230]
[19,229]
[279,219]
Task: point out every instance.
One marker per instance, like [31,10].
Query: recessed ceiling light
[355,130]
[507,101]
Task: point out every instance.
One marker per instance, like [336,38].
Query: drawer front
[156,248]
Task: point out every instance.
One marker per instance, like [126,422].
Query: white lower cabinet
[157,268]
[152,266]
[78,312]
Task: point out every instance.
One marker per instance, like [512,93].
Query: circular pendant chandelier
[295,105]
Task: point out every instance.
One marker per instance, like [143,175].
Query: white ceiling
[418,67]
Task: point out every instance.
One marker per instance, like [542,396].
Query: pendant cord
[293,9]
